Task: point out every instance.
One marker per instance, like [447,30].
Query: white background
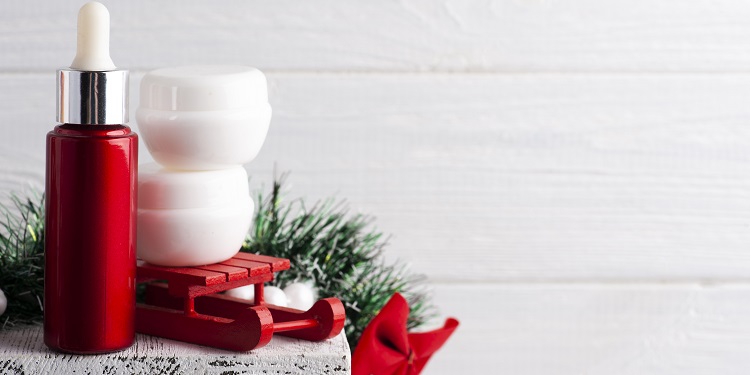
[573,176]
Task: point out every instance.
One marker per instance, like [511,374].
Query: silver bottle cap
[92,98]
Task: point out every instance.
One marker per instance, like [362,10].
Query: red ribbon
[386,348]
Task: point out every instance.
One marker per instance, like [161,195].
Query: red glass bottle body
[90,254]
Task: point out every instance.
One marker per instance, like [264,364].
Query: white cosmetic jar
[192,218]
[203,117]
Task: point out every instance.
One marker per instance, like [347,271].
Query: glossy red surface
[188,308]
[90,253]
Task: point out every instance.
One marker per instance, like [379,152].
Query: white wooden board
[543,177]
[391,35]
[22,351]
[615,329]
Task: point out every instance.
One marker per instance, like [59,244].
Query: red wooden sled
[187,308]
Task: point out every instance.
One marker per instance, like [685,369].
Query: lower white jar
[191,218]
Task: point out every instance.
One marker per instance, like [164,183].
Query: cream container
[204,117]
[190,218]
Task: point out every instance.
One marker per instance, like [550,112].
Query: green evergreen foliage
[22,260]
[339,253]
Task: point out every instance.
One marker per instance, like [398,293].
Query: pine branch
[337,251]
[22,260]
[339,254]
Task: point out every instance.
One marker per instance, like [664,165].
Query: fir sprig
[22,260]
[339,253]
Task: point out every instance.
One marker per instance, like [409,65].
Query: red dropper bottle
[89,279]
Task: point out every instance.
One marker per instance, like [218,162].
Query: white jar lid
[204,88]
[162,188]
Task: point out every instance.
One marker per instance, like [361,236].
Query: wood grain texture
[396,35]
[539,177]
[600,208]
[566,329]
[22,351]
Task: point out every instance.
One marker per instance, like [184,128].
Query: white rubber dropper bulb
[92,53]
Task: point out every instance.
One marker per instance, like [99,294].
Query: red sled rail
[182,304]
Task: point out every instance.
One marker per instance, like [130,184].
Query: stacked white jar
[201,124]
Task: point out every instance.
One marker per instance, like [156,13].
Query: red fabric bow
[386,348]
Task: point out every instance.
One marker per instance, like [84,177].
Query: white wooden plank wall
[573,176]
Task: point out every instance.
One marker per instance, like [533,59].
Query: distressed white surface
[574,175]
[22,351]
